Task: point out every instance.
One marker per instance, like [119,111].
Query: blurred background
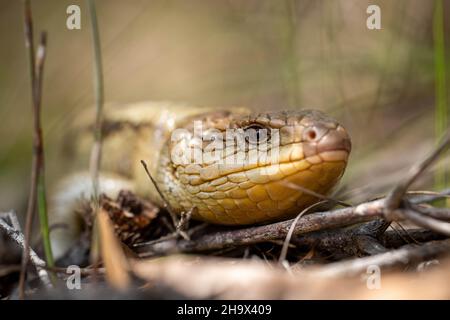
[389,87]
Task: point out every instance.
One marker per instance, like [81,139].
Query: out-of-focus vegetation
[381,84]
[442,107]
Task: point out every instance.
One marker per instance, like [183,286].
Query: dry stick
[437,213]
[396,196]
[312,222]
[317,221]
[172,236]
[28,29]
[395,239]
[183,223]
[19,238]
[406,232]
[394,199]
[37,161]
[428,196]
[402,256]
[427,222]
[344,240]
[12,217]
[430,193]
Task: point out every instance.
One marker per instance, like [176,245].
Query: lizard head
[240,168]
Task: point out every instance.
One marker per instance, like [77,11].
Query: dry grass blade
[165,202]
[394,199]
[37,184]
[286,242]
[114,260]
[315,194]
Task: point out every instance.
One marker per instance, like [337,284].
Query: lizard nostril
[311,135]
[314,133]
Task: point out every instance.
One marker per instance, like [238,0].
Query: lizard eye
[256,133]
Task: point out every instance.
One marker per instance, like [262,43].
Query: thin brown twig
[423,196]
[28,30]
[426,222]
[286,242]
[37,169]
[394,199]
[437,213]
[428,193]
[403,256]
[165,202]
[406,232]
[397,196]
[183,223]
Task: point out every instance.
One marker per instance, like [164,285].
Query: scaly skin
[314,150]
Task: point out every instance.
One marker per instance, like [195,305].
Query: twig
[394,239]
[428,196]
[185,218]
[12,217]
[406,232]
[358,240]
[394,199]
[426,221]
[19,238]
[37,184]
[28,29]
[183,224]
[171,236]
[403,256]
[437,213]
[318,221]
[165,202]
[312,222]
